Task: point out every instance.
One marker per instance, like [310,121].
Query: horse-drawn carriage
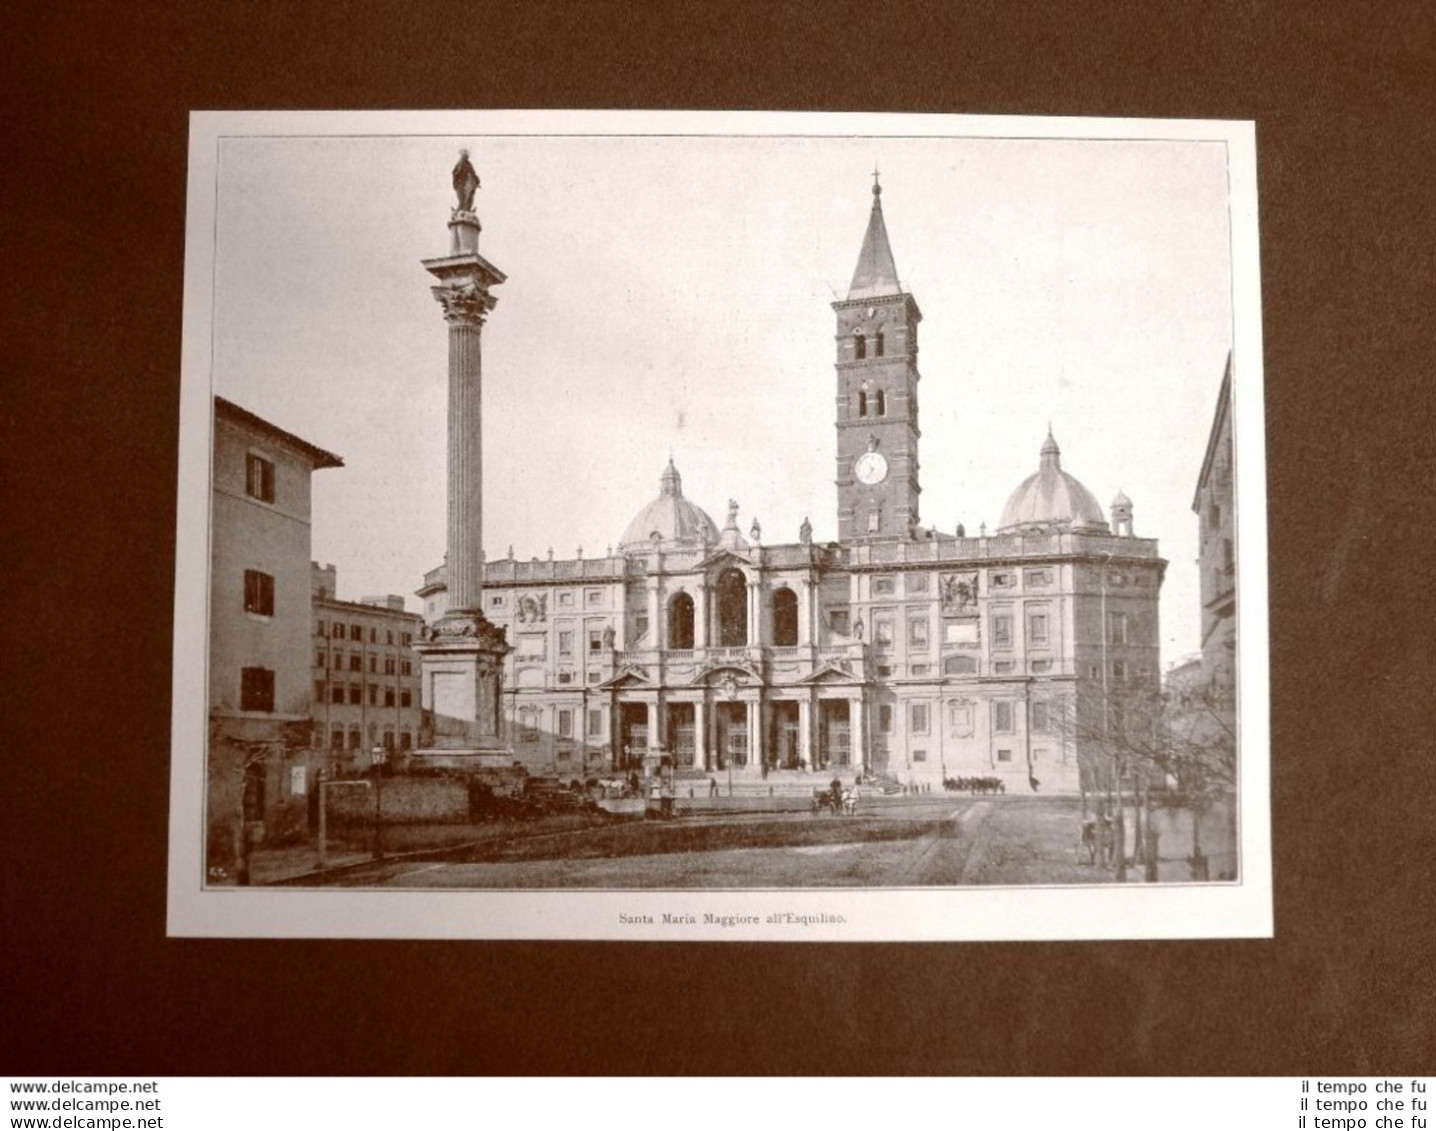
[844,804]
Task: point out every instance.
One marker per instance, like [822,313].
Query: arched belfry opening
[878,344]
[680,622]
[785,618]
[732,591]
[860,345]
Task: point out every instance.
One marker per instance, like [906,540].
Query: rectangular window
[565,600]
[336,693]
[406,698]
[917,633]
[917,716]
[1002,717]
[918,582]
[406,667]
[356,632]
[1039,715]
[919,755]
[593,598]
[388,696]
[388,636]
[338,631]
[356,663]
[373,663]
[319,691]
[640,626]
[373,636]
[1000,579]
[883,632]
[321,628]
[1004,755]
[595,640]
[1002,667]
[839,622]
[1036,578]
[1001,630]
[408,639]
[336,739]
[391,665]
[885,718]
[883,587]
[259,478]
[921,669]
[594,677]
[373,696]
[1041,667]
[496,601]
[565,643]
[1119,670]
[1037,628]
[565,724]
[1116,628]
[595,723]
[256,689]
[319,661]
[258,593]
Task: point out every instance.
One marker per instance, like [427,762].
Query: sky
[671,295]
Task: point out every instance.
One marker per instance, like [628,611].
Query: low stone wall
[402,801]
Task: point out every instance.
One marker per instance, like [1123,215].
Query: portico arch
[680,622]
[732,594]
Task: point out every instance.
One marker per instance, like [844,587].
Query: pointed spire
[876,273]
[1051,453]
[671,484]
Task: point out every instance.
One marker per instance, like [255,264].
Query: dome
[1051,499]
[676,521]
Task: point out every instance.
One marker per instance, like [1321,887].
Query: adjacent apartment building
[259,775]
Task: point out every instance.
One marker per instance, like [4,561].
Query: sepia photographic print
[720,526]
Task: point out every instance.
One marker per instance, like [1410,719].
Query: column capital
[465,304]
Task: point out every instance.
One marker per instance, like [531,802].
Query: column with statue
[461,654]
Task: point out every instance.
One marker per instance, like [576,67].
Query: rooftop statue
[466,182]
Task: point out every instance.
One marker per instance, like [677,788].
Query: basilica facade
[899,651]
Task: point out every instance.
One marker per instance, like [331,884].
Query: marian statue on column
[466,182]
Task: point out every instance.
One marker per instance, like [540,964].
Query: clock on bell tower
[876,408]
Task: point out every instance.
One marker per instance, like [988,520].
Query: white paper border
[1133,911]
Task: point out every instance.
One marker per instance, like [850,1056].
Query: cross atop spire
[876,274]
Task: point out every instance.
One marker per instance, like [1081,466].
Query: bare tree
[1180,740]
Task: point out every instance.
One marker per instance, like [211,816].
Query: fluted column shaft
[466,470]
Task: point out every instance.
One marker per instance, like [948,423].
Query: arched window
[732,609]
[880,404]
[878,344]
[680,622]
[862,403]
[785,618]
[860,345]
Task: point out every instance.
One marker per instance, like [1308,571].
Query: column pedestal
[461,658]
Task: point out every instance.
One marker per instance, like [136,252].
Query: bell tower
[876,407]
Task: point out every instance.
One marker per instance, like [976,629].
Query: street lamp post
[377,759]
[730,692]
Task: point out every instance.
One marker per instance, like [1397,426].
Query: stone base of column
[461,668]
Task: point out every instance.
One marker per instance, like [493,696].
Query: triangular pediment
[722,558]
[830,673]
[628,677]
